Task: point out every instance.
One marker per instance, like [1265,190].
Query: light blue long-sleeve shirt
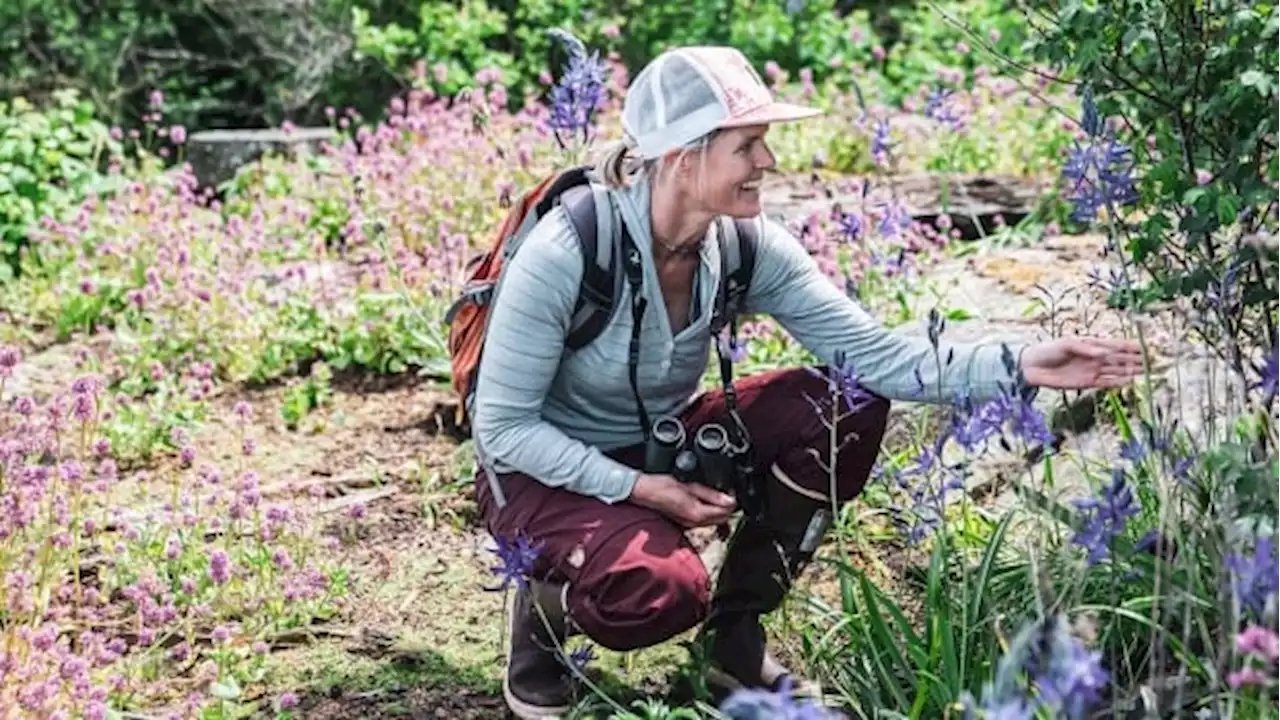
[551,414]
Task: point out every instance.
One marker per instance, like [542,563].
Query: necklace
[678,251]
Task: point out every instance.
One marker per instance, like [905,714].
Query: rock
[972,201]
[45,373]
[215,155]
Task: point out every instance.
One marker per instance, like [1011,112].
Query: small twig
[357,498]
[308,634]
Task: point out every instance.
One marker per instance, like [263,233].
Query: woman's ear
[677,162]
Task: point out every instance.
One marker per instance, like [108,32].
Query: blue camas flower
[758,704]
[1105,516]
[928,480]
[516,559]
[1065,677]
[576,96]
[581,657]
[1069,676]
[880,145]
[1269,376]
[843,380]
[1255,578]
[895,221]
[1025,421]
[1100,171]
[850,226]
[937,107]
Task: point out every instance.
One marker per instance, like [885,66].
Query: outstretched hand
[1080,363]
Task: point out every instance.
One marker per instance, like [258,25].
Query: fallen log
[972,202]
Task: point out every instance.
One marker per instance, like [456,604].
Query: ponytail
[617,167]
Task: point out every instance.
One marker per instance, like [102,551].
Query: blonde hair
[618,168]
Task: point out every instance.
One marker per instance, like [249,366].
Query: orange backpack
[602,238]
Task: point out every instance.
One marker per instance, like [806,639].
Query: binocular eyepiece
[709,461]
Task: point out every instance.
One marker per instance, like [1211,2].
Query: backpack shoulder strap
[606,243]
[591,213]
[739,239]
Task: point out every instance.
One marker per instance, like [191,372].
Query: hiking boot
[762,562]
[740,658]
[537,684]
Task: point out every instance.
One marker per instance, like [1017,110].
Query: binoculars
[710,460]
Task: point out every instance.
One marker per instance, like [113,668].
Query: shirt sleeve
[528,323]
[788,285]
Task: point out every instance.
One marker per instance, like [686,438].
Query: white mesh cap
[688,92]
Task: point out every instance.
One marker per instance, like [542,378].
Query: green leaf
[227,689]
[1192,196]
[989,557]
[881,642]
[1257,80]
[1228,208]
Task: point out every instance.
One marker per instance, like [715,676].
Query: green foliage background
[244,63]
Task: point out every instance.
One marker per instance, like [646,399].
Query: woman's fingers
[711,496]
[1122,366]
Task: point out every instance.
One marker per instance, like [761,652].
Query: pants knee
[643,604]
[877,417]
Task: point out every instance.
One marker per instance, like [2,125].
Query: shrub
[49,159]
[1179,124]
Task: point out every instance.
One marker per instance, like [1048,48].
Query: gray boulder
[216,155]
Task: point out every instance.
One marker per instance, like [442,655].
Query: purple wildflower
[1269,376]
[582,656]
[895,221]
[1182,467]
[1255,578]
[516,561]
[575,98]
[850,226]
[843,379]
[1025,420]
[880,145]
[1071,677]
[1259,641]
[1090,119]
[938,107]
[1066,677]
[1105,516]
[9,359]
[759,704]
[937,98]
[1100,171]
[1114,281]
[219,566]
[1133,451]
[971,427]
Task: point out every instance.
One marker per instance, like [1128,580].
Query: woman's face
[726,177]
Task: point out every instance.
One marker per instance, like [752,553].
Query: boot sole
[526,711]
[518,707]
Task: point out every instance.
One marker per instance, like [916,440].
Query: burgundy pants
[634,578]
